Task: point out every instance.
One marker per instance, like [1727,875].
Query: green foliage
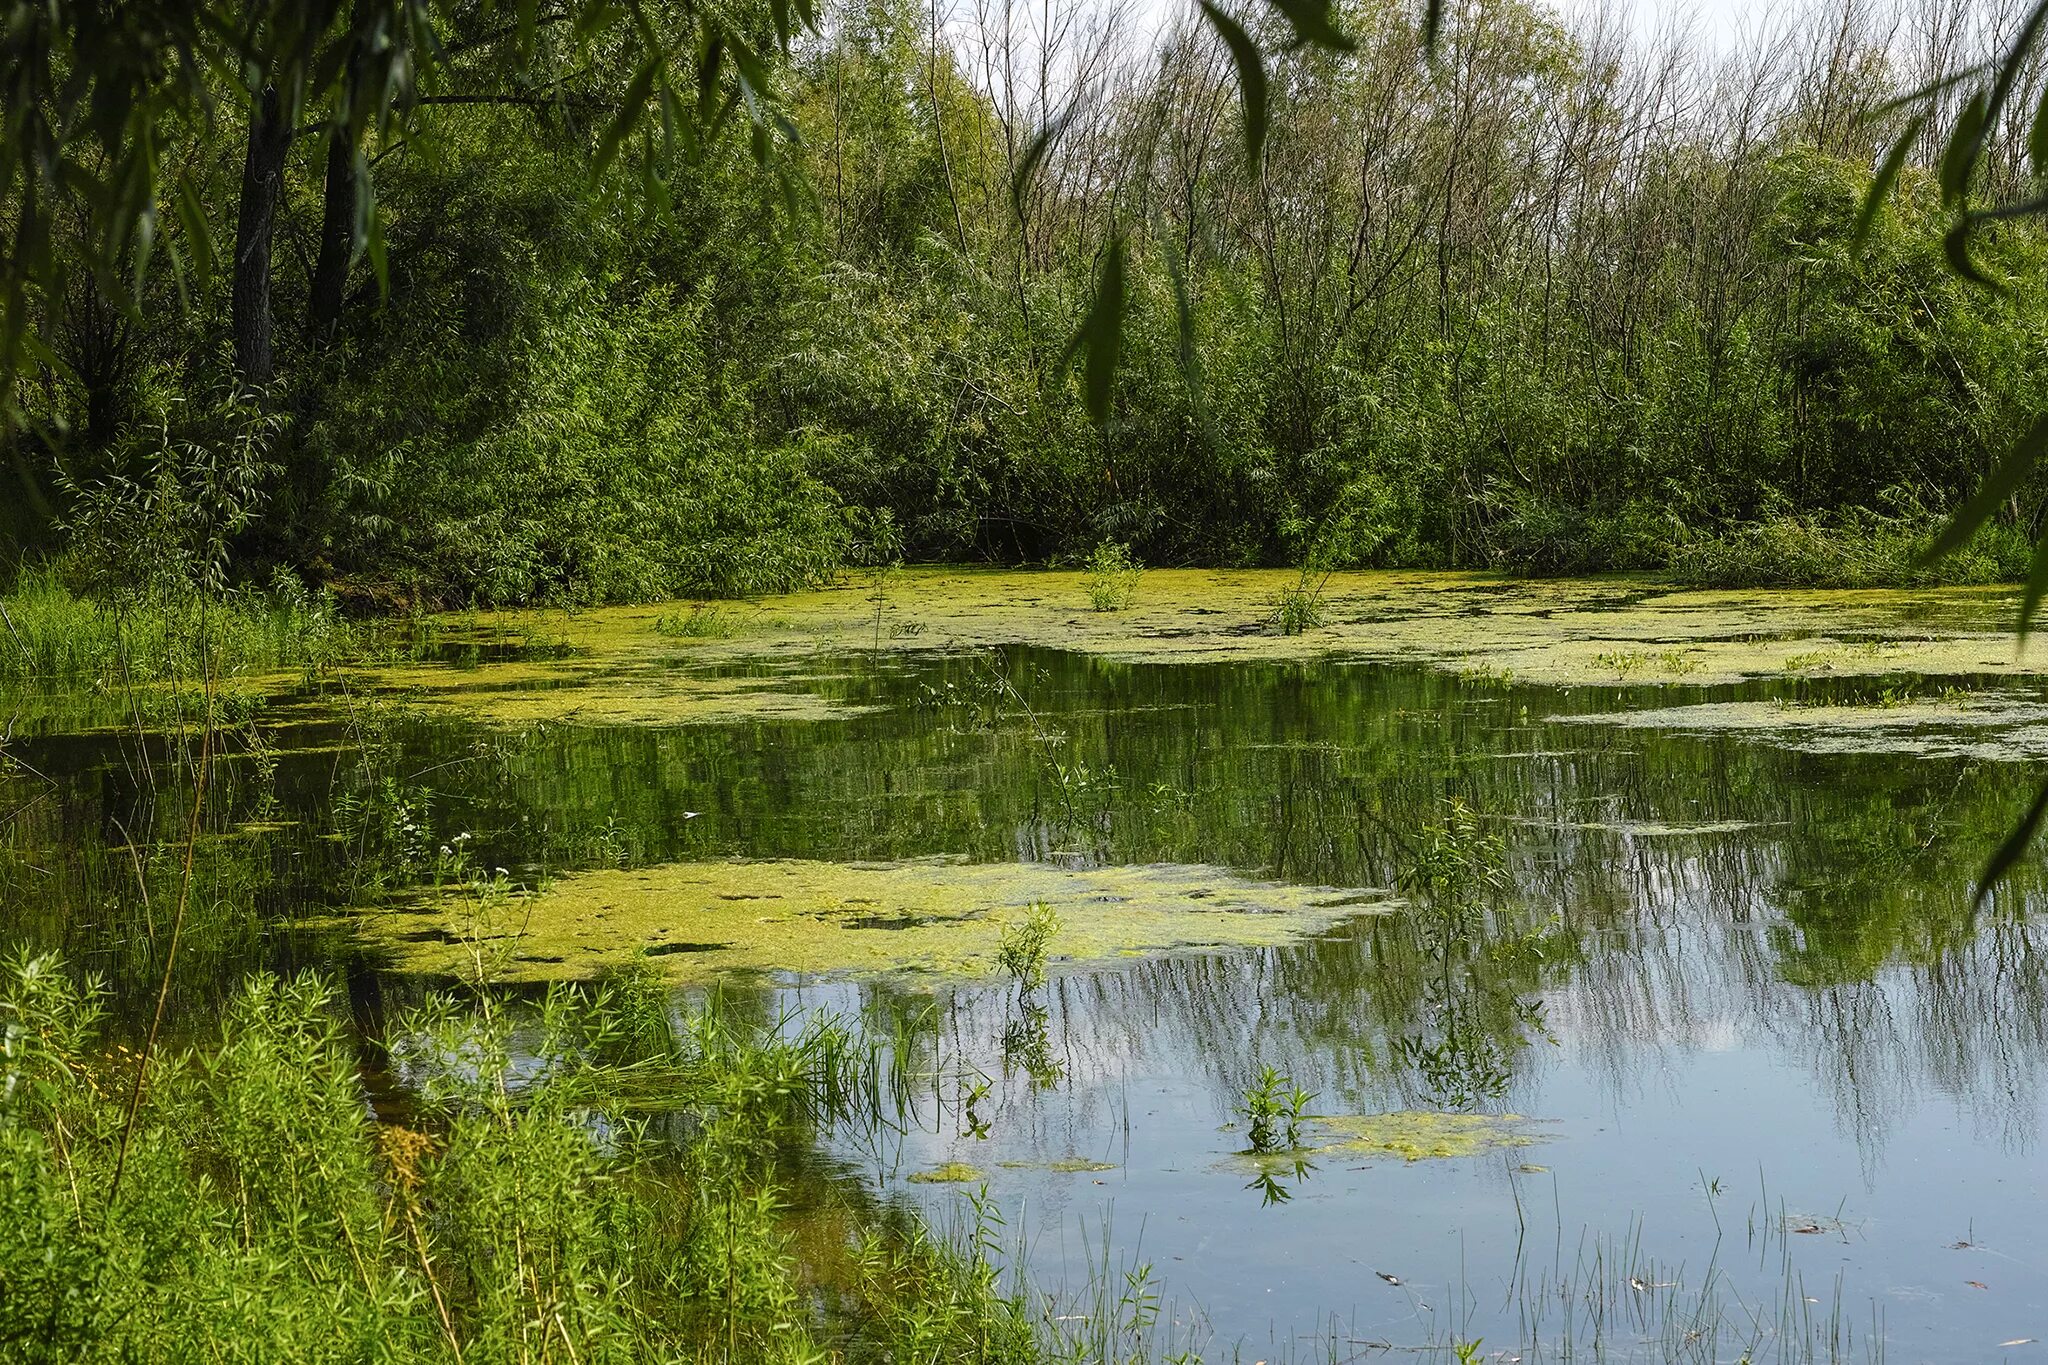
[1022,949]
[526,1205]
[1112,577]
[1857,551]
[549,388]
[1273,1109]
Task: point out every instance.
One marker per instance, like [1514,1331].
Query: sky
[1719,22]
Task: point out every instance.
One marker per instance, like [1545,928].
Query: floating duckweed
[607,687]
[938,915]
[952,1173]
[1415,1134]
[1069,1165]
[1559,632]
[1981,726]
[1411,1134]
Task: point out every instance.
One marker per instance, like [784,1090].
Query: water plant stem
[163,993]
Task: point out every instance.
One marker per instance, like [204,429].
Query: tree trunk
[270,138]
[337,239]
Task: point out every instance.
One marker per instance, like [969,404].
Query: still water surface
[1785,1081]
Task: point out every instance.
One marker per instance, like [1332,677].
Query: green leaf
[2015,844]
[1101,337]
[1955,245]
[1251,78]
[1918,96]
[632,106]
[2036,586]
[1959,157]
[1997,486]
[1881,184]
[1315,22]
[198,232]
[2037,137]
[1432,24]
[752,71]
[2023,208]
[1035,153]
[373,246]
[1190,353]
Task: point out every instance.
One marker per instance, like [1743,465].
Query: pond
[1721,1056]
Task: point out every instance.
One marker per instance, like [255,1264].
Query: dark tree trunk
[337,240]
[270,138]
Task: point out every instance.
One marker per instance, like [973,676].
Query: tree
[99,95]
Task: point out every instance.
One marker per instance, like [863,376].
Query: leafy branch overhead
[97,96]
[1986,92]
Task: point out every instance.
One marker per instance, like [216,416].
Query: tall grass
[50,634]
[596,1179]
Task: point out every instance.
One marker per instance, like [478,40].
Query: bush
[1112,578]
[1852,552]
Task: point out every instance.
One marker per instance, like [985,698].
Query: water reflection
[1670,912]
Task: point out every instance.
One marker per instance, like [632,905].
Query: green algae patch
[624,686]
[1067,1165]
[1985,726]
[935,915]
[1410,1134]
[952,1173]
[1420,1134]
[1618,631]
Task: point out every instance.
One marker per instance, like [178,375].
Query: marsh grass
[597,1177]
[1299,607]
[1112,577]
[703,621]
[50,635]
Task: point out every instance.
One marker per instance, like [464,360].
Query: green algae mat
[810,918]
[629,665]
[1410,1134]
[1737,968]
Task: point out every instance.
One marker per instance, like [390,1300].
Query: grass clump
[597,1179]
[1112,577]
[1299,607]
[48,633]
[703,621]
